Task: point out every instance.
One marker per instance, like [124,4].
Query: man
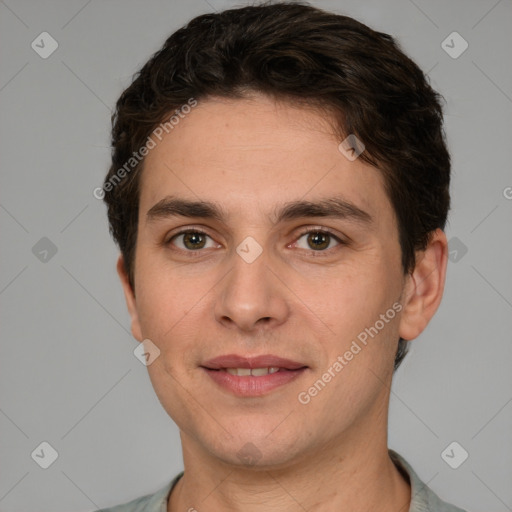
[278,190]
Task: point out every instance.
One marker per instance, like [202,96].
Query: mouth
[255,372]
[252,376]
[235,361]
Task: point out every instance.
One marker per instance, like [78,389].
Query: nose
[251,297]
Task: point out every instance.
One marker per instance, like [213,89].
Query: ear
[130,299]
[424,287]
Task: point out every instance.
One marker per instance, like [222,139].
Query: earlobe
[129,295]
[424,288]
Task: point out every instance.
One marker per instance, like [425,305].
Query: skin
[251,156]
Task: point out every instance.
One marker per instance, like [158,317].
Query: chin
[258,450]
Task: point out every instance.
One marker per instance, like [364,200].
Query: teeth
[241,372]
[255,372]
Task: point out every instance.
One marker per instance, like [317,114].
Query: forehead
[253,154]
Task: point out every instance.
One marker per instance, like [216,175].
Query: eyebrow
[335,207]
[173,207]
[330,207]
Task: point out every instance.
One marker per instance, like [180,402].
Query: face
[258,237]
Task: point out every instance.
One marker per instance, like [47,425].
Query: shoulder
[423,499]
[156,502]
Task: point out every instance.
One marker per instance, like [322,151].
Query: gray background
[68,375]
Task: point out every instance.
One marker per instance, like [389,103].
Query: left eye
[192,240]
[317,240]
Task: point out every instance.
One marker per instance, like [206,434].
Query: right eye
[192,240]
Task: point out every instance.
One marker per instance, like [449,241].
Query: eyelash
[301,234]
[168,240]
[322,231]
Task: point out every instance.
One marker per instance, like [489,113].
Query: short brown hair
[295,52]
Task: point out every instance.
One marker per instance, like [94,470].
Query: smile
[255,372]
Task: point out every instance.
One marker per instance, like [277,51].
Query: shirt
[423,499]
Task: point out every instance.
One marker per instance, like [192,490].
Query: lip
[251,386]
[263,361]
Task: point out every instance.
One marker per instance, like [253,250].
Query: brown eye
[192,241]
[317,241]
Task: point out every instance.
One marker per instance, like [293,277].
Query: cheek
[174,308]
[352,296]
[361,308]
[158,305]
[163,311]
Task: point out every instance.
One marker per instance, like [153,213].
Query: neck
[354,474]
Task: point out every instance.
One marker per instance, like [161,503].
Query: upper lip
[263,361]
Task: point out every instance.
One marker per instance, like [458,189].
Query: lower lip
[253,386]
